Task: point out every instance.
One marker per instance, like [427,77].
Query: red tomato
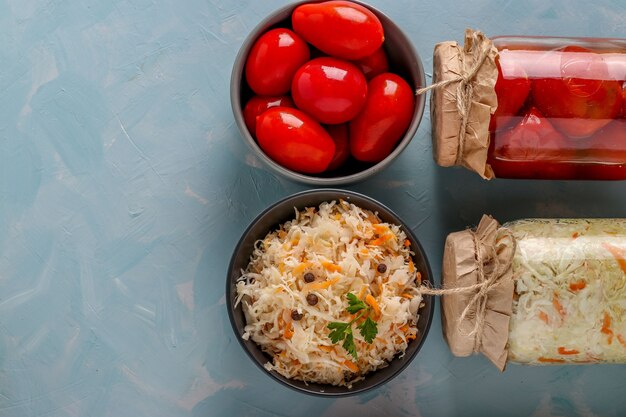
[534,138]
[608,145]
[512,88]
[339,28]
[273,60]
[375,64]
[624,103]
[329,89]
[387,115]
[339,133]
[294,140]
[258,104]
[583,99]
[532,149]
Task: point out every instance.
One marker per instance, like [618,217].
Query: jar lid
[478,291]
[462,102]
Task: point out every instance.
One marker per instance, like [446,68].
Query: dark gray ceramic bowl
[403,60]
[283,211]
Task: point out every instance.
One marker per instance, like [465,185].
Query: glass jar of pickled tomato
[557,108]
[553,291]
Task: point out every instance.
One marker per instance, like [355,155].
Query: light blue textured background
[124,186]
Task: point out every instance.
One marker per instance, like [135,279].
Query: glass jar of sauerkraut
[537,107]
[554,291]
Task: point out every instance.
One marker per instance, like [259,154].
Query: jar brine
[554,291]
[556,106]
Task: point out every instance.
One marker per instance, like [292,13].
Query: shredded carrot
[606,327]
[372,302]
[362,291]
[618,254]
[329,266]
[558,306]
[419,278]
[411,266]
[577,285]
[407,243]
[550,360]
[301,267]
[295,362]
[544,317]
[381,240]
[281,268]
[327,348]
[381,229]
[295,241]
[621,339]
[575,235]
[365,251]
[404,328]
[564,351]
[351,365]
[288,333]
[407,296]
[337,216]
[411,336]
[372,218]
[282,234]
[322,285]
[279,290]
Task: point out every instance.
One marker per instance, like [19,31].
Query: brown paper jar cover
[473,99]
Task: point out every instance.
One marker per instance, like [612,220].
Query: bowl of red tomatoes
[323,92]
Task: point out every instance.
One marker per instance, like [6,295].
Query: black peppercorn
[309,277]
[312,299]
[382,268]
[295,315]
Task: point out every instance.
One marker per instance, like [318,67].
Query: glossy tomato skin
[294,140]
[532,149]
[258,104]
[273,60]
[512,89]
[608,145]
[340,136]
[331,90]
[388,112]
[584,98]
[374,64]
[339,28]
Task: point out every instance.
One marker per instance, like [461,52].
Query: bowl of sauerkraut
[323,293]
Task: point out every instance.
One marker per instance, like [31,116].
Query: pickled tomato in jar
[536,108]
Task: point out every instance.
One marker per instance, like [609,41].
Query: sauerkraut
[347,250]
[569,304]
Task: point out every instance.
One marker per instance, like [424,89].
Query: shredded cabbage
[342,245]
[570,291]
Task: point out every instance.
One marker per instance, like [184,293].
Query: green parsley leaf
[338,331]
[354,304]
[343,331]
[349,345]
[368,329]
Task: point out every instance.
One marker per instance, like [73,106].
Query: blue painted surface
[124,186]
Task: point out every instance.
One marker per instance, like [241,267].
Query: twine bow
[487,281]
